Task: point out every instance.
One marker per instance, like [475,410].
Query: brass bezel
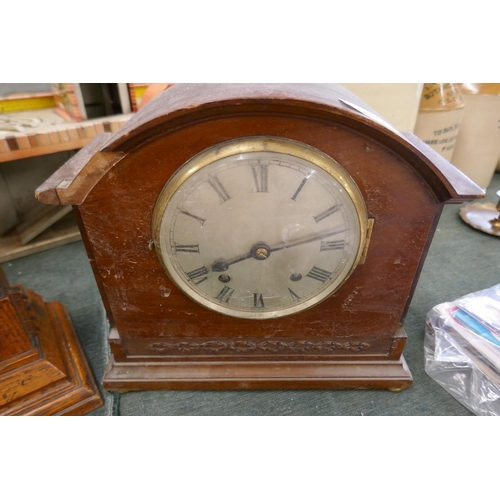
[252,145]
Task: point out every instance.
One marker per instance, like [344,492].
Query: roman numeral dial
[319,274]
[219,188]
[299,189]
[198,276]
[327,245]
[326,213]
[260,177]
[260,228]
[225,294]
[187,248]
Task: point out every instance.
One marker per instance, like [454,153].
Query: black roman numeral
[187,248]
[299,189]
[260,176]
[225,294]
[215,183]
[196,274]
[195,217]
[332,245]
[318,274]
[326,213]
[258,301]
[295,297]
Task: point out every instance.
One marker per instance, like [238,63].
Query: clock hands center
[261,251]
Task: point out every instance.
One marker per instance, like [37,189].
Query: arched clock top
[257,236]
[186,104]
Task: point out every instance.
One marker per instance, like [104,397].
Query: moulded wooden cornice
[184,104]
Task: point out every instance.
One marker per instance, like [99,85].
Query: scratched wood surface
[43,370]
[374,298]
[404,188]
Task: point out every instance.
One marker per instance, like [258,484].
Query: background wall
[396,102]
[15,88]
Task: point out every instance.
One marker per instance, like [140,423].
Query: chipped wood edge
[71,184]
[75,191]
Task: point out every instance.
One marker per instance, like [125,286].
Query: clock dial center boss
[260,227]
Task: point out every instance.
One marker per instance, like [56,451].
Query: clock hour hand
[261,251]
[223,265]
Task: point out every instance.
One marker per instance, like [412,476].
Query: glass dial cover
[260,227]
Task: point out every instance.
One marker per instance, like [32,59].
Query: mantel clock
[257,236]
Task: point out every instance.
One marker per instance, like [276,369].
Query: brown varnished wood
[373,298]
[185,104]
[90,253]
[43,370]
[162,339]
[3,279]
[385,374]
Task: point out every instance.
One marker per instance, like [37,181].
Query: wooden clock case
[161,339]
[43,370]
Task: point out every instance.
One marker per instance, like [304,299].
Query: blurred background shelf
[62,232]
[41,127]
[53,134]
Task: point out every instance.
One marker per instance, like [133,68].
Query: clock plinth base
[234,375]
[43,370]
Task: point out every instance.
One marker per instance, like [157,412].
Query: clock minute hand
[319,236]
[262,251]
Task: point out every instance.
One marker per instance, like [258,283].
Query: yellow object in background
[15,103]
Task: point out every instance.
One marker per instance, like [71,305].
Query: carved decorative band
[244,346]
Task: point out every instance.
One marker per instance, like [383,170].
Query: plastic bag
[462,349]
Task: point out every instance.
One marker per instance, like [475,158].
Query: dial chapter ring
[234,148]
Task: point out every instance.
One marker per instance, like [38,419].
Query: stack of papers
[462,348]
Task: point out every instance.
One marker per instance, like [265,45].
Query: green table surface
[461,260]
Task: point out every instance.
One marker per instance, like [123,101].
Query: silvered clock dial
[260,227]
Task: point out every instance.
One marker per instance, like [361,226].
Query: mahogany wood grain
[162,339]
[43,370]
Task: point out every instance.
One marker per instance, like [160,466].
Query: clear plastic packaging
[462,349]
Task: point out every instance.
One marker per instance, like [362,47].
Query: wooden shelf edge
[21,154]
[64,232]
[57,138]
